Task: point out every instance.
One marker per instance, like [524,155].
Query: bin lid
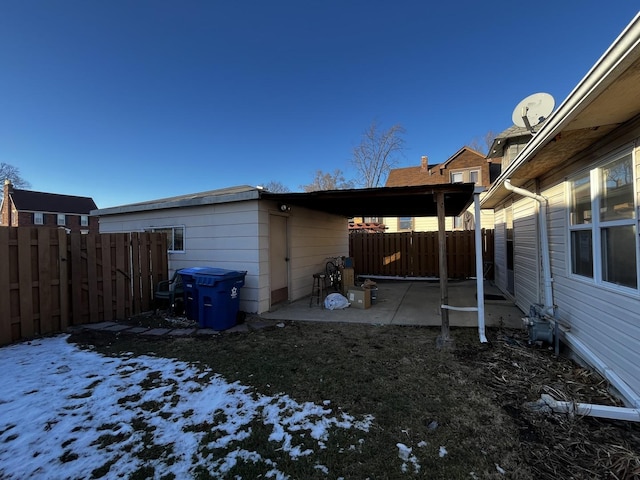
[210,276]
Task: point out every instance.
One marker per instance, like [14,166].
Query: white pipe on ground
[544,243]
[591,410]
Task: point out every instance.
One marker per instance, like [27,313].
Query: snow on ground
[65,412]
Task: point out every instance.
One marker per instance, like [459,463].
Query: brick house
[466,166]
[28,208]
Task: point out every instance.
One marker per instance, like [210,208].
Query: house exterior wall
[430,224]
[526,261]
[499,251]
[236,236]
[604,317]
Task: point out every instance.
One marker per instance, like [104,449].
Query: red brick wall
[51,220]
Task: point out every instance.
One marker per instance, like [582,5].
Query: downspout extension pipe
[549,308]
[587,409]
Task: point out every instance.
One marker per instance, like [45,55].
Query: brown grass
[469,400]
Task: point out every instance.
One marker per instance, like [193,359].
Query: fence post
[5,286]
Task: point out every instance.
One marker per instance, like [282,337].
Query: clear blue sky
[128,101]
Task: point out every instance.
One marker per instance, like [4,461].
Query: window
[175,238]
[405,223]
[603,223]
[62,219]
[457,177]
[457,223]
[84,220]
[38,218]
[467,176]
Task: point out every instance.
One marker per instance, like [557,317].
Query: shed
[280,239]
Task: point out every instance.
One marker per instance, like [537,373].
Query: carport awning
[414,201]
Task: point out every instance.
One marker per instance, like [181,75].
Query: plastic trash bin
[191,308]
[218,296]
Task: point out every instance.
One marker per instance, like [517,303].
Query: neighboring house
[464,166]
[235,228]
[567,235]
[28,208]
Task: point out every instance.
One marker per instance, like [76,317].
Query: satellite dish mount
[533,110]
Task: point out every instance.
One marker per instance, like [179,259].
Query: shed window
[604,246]
[175,238]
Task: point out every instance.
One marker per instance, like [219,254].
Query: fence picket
[415,254]
[5,289]
[50,279]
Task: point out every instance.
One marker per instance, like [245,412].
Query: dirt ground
[468,402]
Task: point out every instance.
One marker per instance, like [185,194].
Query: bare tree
[377,153]
[483,144]
[328,181]
[276,187]
[9,172]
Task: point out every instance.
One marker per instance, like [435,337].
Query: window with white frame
[175,238]
[457,177]
[38,218]
[84,220]
[62,219]
[467,176]
[603,223]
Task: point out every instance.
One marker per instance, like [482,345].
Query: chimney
[424,163]
[5,215]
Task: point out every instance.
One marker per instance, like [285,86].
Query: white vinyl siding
[605,319]
[500,253]
[526,253]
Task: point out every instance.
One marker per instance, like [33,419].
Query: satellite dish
[533,110]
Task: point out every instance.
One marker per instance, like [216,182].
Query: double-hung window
[175,238]
[603,223]
[38,218]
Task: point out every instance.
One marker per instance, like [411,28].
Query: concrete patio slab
[411,302]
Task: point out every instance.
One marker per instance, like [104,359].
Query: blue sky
[128,101]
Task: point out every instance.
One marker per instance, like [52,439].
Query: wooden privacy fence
[415,254]
[50,279]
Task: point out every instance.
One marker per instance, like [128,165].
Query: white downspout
[479,268]
[479,272]
[544,244]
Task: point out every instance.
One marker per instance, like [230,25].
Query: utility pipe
[479,276]
[544,244]
[591,410]
[479,267]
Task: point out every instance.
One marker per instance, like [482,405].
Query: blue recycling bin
[214,297]
[190,289]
